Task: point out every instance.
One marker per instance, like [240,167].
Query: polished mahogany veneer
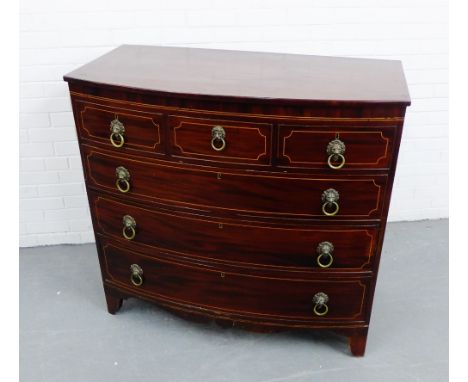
[249,188]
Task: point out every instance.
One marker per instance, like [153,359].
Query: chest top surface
[240,74]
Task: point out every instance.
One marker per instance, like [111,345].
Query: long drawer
[240,192]
[245,242]
[215,289]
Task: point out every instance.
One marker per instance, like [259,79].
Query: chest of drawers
[248,188]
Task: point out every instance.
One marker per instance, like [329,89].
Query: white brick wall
[59,35]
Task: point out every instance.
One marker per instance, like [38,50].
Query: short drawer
[328,197]
[217,289]
[329,147]
[242,242]
[120,128]
[220,140]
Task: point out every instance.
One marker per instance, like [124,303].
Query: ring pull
[218,135]
[335,151]
[136,275]
[325,258]
[320,300]
[129,225]
[123,179]
[117,130]
[330,199]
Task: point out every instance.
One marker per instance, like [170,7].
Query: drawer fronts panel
[312,146]
[239,192]
[218,290]
[220,140]
[120,128]
[238,242]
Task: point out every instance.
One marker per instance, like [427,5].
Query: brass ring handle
[324,250]
[340,165]
[320,300]
[132,233]
[218,148]
[332,213]
[117,130]
[129,224]
[124,189]
[335,150]
[136,275]
[321,310]
[123,178]
[327,264]
[218,135]
[330,198]
[120,142]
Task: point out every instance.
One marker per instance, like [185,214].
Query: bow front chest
[248,188]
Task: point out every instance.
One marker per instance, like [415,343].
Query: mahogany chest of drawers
[248,188]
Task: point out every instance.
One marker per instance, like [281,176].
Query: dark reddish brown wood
[246,142]
[143,130]
[357,342]
[113,300]
[366,147]
[240,75]
[238,241]
[361,197]
[269,205]
[207,287]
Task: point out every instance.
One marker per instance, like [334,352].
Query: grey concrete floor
[67,335]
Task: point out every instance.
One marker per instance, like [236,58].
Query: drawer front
[237,192]
[220,140]
[120,128]
[321,146]
[238,242]
[219,290]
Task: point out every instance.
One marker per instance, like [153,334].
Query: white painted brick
[42,204]
[27,192]
[61,55]
[62,119]
[36,178]
[56,163]
[87,237]
[33,120]
[66,148]
[23,136]
[52,134]
[35,105]
[31,89]
[74,162]
[75,201]
[55,89]
[426,76]
[36,149]
[78,37]
[35,73]
[81,225]
[32,164]
[30,215]
[71,176]
[429,104]
[69,189]
[164,18]
[66,214]
[47,226]
[433,117]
